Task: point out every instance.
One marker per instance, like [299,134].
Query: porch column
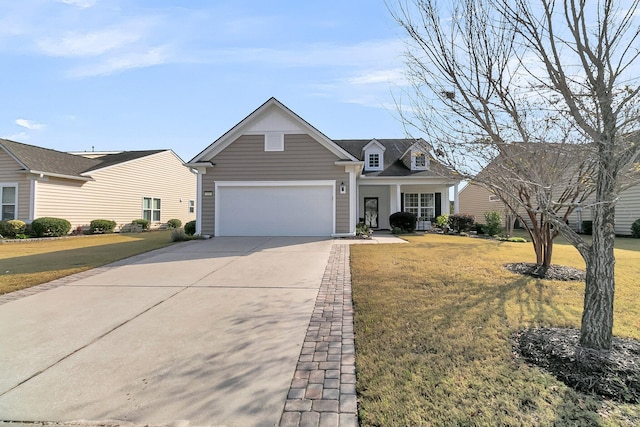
[353,200]
[456,207]
[398,204]
[199,199]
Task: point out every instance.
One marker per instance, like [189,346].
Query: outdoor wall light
[343,188]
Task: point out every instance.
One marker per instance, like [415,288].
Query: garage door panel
[297,210]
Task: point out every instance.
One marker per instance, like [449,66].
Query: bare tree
[487,76]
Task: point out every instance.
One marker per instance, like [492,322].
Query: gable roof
[392,162]
[232,134]
[46,161]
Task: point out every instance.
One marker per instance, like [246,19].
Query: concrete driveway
[206,331]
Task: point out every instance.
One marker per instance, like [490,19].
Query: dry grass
[29,263]
[433,321]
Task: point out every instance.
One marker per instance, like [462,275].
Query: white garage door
[282,209]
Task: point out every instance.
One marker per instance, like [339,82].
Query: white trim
[312,183]
[199,199]
[273,141]
[456,199]
[32,199]
[16,197]
[238,130]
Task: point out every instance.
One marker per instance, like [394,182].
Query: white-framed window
[373,161]
[422,205]
[192,206]
[151,209]
[8,201]
[419,161]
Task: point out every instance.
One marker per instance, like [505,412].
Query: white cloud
[79,3]
[395,76]
[127,61]
[29,124]
[20,136]
[93,43]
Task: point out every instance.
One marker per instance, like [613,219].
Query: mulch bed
[553,272]
[613,374]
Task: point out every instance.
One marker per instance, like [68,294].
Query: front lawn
[28,263]
[433,321]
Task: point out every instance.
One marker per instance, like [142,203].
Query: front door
[371,212]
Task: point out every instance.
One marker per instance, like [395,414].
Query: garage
[301,208]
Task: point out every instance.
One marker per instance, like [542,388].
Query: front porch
[376,202]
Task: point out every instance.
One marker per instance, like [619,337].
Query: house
[80,187]
[476,200]
[275,174]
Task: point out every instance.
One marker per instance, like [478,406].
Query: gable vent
[274,141]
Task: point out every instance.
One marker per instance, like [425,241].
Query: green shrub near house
[493,224]
[174,223]
[102,226]
[190,228]
[405,221]
[635,229]
[461,222]
[12,228]
[587,227]
[50,227]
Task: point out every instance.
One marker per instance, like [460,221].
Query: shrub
[406,221]
[142,222]
[635,228]
[102,226]
[178,235]
[190,228]
[174,223]
[442,221]
[478,228]
[50,227]
[494,222]
[12,228]
[587,227]
[461,222]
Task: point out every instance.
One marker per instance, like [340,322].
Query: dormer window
[419,161]
[374,161]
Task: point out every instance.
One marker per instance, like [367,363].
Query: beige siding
[474,200]
[627,210]
[303,158]
[10,172]
[117,192]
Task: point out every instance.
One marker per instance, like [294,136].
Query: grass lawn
[433,320]
[28,263]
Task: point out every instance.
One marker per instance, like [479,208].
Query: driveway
[206,331]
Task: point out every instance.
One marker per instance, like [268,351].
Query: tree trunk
[596,331]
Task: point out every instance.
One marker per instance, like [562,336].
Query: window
[192,206]
[151,209]
[422,205]
[421,161]
[9,201]
[374,161]
[494,198]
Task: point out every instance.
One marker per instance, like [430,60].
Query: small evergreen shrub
[406,221]
[478,228]
[587,227]
[142,222]
[493,224]
[102,226]
[442,221]
[12,228]
[50,227]
[635,229]
[174,223]
[461,222]
[190,228]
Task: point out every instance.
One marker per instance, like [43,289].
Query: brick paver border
[323,389]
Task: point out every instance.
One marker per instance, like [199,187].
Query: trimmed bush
[406,221]
[587,227]
[190,228]
[493,224]
[102,226]
[635,229]
[12,228]
[178,235]
[174,223]
[461,222]
[442,221]
[142,222]
[50,227]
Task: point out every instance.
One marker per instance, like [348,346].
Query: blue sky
[145,74]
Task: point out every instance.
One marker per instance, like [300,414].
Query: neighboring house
[121,186]
[275,174]
[477,200]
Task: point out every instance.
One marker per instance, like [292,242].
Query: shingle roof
[39,159]
[393,165]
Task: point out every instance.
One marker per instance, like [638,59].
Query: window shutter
[438,204]
[401,202]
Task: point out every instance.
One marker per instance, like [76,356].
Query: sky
[107,75]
